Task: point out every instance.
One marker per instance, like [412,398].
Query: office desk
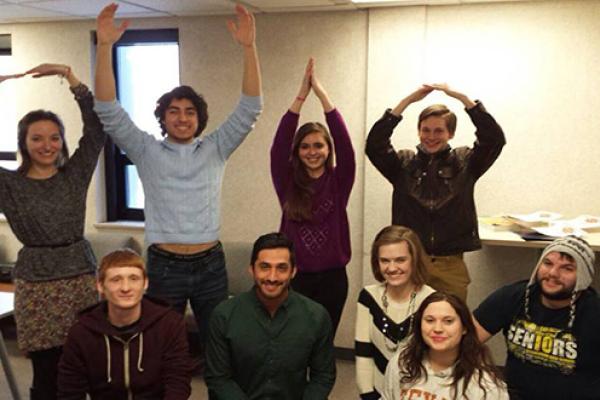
[6,310]
[491,237]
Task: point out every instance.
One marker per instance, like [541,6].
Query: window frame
[115,162]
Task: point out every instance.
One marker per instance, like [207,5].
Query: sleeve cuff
[103,106]
[391,118]
[80,91]
[478,108]
[253,102]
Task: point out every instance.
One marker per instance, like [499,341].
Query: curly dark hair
[182,92]
[298,205]
[474,357]
[22,130]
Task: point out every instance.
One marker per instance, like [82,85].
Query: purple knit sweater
[323,243]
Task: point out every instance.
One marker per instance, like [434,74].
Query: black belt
[186,257]
[54,246]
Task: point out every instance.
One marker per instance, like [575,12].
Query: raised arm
[116,121]
[244,33]
[463,98]
[281,151]
[12,76]
[414,97]
[64,71]
[82,163]
[305,87]
[320,92]
[490,137]
[107,34]
[344,153]
[379,147]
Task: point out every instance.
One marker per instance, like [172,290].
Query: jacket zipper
[432,236]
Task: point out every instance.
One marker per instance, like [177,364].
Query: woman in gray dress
[44,203]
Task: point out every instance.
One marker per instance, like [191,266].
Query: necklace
[392,346]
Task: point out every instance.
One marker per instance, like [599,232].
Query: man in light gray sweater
[181,174]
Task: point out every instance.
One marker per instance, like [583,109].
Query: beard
[563,294]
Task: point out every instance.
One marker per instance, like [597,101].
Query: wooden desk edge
[7,287]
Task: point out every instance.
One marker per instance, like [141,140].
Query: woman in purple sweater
[313,194]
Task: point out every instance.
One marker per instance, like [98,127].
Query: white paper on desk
[586,221]
[538,216]
[561,229]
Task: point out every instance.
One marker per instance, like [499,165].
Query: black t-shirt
[546,360]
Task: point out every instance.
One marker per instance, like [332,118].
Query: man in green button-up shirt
[270,342]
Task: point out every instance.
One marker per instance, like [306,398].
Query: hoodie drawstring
[140,353]
[107,343]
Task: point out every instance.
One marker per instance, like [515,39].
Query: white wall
[532,64]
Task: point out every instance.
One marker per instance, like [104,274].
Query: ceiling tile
[86,8]
[301,5]
[17,13]
[289,3]
[44,10]
[188,7]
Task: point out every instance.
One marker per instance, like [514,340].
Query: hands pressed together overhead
[425,89]
[311,82]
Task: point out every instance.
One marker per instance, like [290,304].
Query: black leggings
[45,373]
[328,288]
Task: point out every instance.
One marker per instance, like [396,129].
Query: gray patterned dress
[54,273]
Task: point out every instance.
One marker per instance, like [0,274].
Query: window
[146,64]
[8,111]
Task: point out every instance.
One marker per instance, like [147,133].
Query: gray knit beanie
[581,252]
[584,258]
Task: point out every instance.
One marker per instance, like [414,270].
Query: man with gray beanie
[551,324]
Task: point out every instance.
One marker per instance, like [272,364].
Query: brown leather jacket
[433,193]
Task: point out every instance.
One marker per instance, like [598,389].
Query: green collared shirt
[251,355]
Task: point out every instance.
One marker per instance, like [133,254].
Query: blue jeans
[200,278]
